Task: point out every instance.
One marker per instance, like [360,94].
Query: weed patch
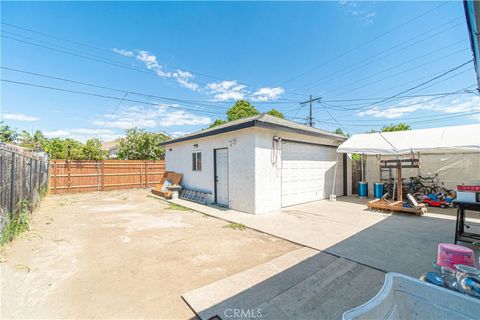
[18,224]
[235,226]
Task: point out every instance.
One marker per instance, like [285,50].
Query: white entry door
[307,172]
[221,176]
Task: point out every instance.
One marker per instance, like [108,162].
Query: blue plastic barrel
[363,189]
[378,189]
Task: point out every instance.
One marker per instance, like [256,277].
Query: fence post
[55,173]
[12,185]
[68,169]
[146,173]
[38,170]
[31,183]
[140,166]
[103,175]
[97,166]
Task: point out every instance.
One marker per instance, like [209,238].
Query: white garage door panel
[307,172]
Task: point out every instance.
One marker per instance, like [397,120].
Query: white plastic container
[404,297]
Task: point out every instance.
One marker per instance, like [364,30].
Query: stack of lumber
[397,206]
[169,178]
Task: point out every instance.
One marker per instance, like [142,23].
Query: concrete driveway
[345,228]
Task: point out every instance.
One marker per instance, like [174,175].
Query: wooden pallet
[382,204]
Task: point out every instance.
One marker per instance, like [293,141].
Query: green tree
[57,148]
[241,109]
[92,150]
[396,127]
[7,134]
[392,127]
[276,113]
[339,131]
[139,144]
[33,141]
[217,122]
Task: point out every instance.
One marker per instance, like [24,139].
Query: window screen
[196,161]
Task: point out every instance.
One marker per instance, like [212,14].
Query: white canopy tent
[456,139]
[453,152]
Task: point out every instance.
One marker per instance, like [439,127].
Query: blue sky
[204,55]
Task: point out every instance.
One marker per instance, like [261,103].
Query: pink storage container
[450,254]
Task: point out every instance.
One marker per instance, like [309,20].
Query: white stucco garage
[260,164]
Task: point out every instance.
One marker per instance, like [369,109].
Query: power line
[416,67]
[147,95]
[407,105]
[440,119]
[104,96]
[436,77]
[94,47]
[336,121]
[364,44]
[97,58]
[375,58]
[421,84]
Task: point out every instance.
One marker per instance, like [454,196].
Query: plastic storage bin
[404,297]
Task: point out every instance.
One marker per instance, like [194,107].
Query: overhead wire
[104,96]
[377,57]
[96,58]
[364,43]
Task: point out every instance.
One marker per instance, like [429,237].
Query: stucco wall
[254,182]
[268,175]
[241,164]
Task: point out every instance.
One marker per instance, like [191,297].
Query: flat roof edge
[249,124]
[201,134]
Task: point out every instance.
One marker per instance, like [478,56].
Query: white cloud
[150,117]
[267,94]
[83,134]
[184,78]
[151,63]
[123,52]
[444,105]
[19,117]
[227,90]
[177,134]
[354,8]
[56,133]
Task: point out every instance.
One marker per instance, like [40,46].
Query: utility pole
[310,120]
[310,101]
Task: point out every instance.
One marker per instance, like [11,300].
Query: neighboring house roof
[110,145]
[262,121]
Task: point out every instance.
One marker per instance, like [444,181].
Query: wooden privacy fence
[86,175]
[23,179]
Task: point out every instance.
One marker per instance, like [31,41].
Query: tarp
[455,139]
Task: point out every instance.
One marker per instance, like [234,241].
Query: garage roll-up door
[307,172]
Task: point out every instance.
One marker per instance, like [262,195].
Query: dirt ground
[121,254]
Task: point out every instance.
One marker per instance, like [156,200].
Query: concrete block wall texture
[254,182]
[268,177]
[241,161]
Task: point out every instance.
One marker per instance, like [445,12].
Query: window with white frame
[196,161]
